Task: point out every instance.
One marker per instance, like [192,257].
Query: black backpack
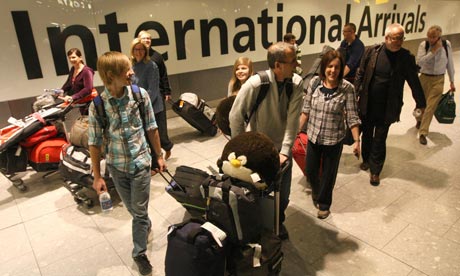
[444,44]
[264,87]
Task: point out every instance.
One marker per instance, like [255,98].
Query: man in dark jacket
[380,85]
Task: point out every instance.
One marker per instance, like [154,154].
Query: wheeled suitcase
[45,156]
[263,257]
[233,206]
[196,112]
[194,251]
[184,187]
[299,150]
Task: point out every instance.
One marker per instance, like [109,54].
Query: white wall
[50,15]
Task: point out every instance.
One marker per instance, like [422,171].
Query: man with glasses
[434,58]
[379,84]
[351,48]
[277,115]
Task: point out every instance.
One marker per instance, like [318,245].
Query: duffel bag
[194,251]
[79,132]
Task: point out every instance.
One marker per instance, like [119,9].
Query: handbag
[79,132]
[445,112]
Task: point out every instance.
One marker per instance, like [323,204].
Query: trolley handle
[171,180]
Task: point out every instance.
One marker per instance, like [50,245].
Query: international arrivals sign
[191,35]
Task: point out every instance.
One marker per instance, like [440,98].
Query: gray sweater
[277,115]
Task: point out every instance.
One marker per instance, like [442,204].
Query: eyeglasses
[397,38]
[289,62]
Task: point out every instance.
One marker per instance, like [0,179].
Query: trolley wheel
[77,200]
[88,203]
[19,184]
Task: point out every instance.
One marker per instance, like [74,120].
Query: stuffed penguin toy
[251,157]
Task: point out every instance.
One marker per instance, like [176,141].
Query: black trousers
[160,118]
[373,145]
[323,184]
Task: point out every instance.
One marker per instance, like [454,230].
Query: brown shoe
[364,166]
[375,179]
[323,214]
[167,154]
[422,139]
[417,125]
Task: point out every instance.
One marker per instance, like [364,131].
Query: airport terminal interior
[409,225]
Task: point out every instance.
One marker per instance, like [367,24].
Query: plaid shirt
[327,114]
[127,149]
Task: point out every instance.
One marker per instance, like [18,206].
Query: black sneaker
[283,234]
[143,264]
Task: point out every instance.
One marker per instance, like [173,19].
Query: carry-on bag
[184,187]
[299,150]
[193,250]
[263,258]
[232,205]
[445,111]
[75,165]
[196,112]
[13,159]
[79,132]
[45,156]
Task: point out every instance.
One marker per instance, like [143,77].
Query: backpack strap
[101,116]
[264,87]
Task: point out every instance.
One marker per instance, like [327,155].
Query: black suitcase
[192,251]
[196,112]
[184,187]
[257,259]
[264,257]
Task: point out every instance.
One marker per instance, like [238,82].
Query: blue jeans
[134,191]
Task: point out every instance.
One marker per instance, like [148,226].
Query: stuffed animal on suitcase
[196,112]
[252,158]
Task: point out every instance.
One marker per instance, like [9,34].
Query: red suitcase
[299,150]
[45,156]
[43,134]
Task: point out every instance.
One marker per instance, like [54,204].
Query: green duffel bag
[445,112]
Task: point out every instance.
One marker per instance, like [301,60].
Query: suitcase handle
[171,180]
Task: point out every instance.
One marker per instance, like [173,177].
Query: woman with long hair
[242,70]
[79,83]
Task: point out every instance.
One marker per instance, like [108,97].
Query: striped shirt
[127,149]
[327,113]
[437,63]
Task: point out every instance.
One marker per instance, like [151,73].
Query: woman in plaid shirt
[329,104]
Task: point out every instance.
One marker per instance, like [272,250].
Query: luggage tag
[215,231]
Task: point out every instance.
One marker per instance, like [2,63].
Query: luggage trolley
[23,139]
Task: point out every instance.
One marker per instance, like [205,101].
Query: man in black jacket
[380,85]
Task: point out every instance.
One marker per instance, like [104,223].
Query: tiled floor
[409,225]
